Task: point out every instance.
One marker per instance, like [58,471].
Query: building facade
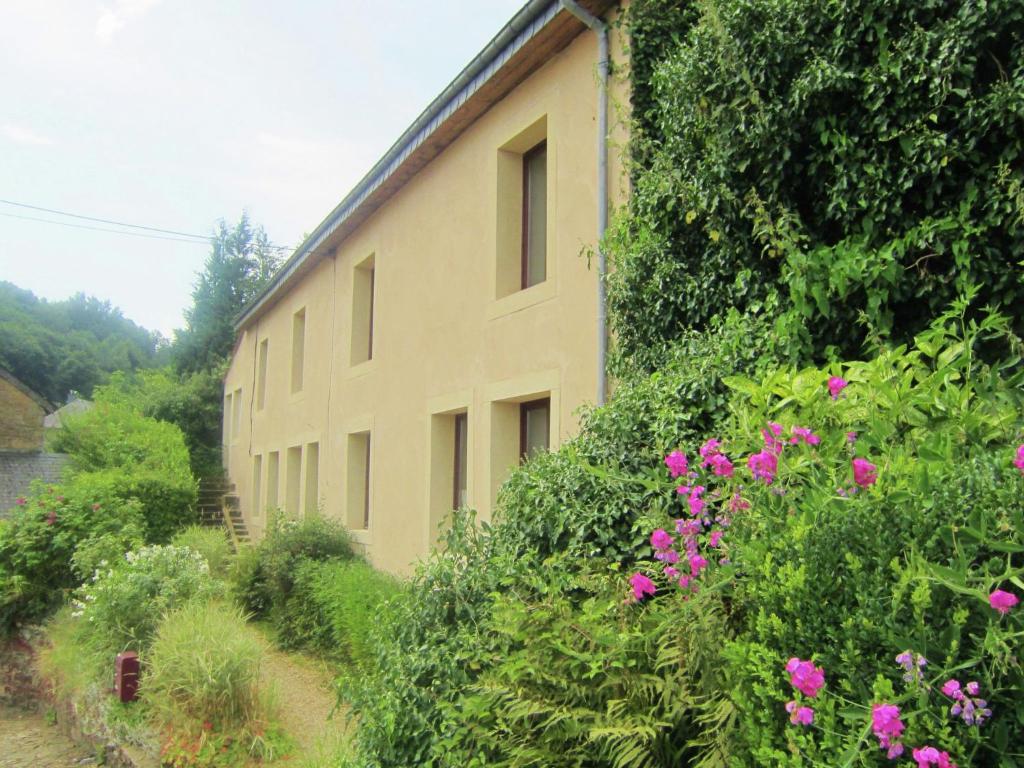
[22,412]
[441,323]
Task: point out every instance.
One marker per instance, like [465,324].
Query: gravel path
[305,697]
[26,741]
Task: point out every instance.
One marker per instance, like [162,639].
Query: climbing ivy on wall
[847,167]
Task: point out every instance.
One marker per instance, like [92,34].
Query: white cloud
[19,134]
[113,19]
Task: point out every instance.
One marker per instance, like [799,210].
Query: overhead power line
[204,238]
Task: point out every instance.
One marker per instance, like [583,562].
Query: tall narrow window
[293,479]
[261,376]
[236,414]
[298,348]
[534,427]
[359,478]
[273,478]
[363,289]
[535,217]
[312,478]
[228,410]
[257,485]
[460,461]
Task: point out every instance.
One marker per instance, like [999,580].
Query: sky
[177,113]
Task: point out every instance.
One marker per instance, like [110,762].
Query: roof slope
[537,32]
[39,400]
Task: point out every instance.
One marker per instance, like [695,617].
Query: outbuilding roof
[39,400]
[537,32]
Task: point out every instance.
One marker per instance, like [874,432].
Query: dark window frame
[457,478]
[524,411]
[373,278]
[524,256]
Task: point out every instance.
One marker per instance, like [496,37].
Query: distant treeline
[55,347]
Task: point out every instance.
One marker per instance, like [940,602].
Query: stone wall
[21,419]
[18,470]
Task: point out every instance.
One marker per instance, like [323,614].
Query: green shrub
[264,579]
[38,543]
[857,159]
[121,607]
[334,606]
[211,543]
[202,676]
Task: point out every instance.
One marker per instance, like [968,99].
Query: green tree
[240,263]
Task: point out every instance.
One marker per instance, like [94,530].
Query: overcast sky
[177,113]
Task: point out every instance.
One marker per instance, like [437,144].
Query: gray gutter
[601,29]
[530,19]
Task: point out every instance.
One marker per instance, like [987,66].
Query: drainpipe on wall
[598,26]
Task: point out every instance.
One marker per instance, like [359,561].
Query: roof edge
[529,20]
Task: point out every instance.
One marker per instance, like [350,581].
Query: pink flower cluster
[888,729]
[642,586]
[1003,601]
[1018,462]
[808,679]
[836,385]
[711,457]
[928,756]
[966,704]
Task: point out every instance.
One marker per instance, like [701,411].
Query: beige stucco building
[443,320]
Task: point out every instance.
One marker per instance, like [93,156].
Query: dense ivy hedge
[862,160]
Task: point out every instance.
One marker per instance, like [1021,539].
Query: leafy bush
[121,607]
[263,579]
[38,543]
[202,676]
[211,543]
[856,159]
[495,657]
[334,606]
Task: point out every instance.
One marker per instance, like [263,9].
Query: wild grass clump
[211,543]
[202,672]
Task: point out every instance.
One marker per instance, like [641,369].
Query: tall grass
[203,670]
[211,543]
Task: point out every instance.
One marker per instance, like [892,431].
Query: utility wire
[204,238]
[206,241]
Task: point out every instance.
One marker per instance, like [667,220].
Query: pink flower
[715,538]
[888,728]
[661,539]
[20,501]
[864,473]
[851,437]
[737,503]
[697,564]
[709,449]
[972,688]
[805,434]
[1019,461]
[764,466]
[799,715]
[696,502]
[1003,601]
[51,518]
[836,385]
[642,586]
[927,756]
[721,465]
[670,572]
[805,677]
[951,688]
[677,464]
[95,507]
[771,437]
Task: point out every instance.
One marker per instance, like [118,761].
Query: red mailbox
[126,676]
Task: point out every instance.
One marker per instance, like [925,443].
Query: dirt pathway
[305,697]
[26,741]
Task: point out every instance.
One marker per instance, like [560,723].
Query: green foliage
[134,457]
[38,543]
[240,263]
[192,402]
[202,679]
[211,543]
[334,606]
[263,578]
[121,606]
[862,161]
[63,346]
